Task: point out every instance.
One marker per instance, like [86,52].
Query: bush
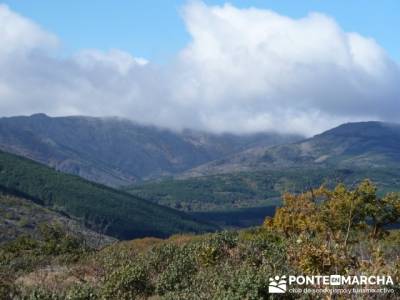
[40,293]
[57,241]
[214,249]
[128,282]
[263,247]
[81,292]
[177,274]
[245,283]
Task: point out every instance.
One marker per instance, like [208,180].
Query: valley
[240,204]
[224,181]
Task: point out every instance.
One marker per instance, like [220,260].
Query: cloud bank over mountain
[244,70]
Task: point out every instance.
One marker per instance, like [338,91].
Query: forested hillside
[98,207]
[243,199]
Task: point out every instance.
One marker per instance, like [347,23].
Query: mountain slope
[19,216]
[116,152]
[100,208]
[352,145]
[243,199]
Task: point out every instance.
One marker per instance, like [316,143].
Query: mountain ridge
[357,144]
[116,151]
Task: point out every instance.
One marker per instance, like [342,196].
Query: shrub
[81,292]
[215,248]
[128,282]
[245,283]
[263,247]
[39,293]
[57,241]
[178,273]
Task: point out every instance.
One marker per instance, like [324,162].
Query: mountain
[351,145]
[116,152]
[98,207]
[233,191]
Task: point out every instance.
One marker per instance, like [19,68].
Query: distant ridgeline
[363,145]
[115,152]
[101,208]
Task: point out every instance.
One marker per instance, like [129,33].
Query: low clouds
[244,70]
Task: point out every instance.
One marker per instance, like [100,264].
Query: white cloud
[244,70]
[264,70]
[19,35]
[115,59]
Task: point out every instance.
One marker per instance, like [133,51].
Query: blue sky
[288,66]
[153,29]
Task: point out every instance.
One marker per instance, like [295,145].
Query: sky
[244,66]
[155,30]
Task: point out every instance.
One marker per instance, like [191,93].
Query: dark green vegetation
[253,189]
[100,208]
[341,233]
[229,190]
[114,152]
[352,145]
[21,217]
[239,199]
[236,217]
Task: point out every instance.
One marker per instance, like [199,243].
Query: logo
[277,285]
[335,280]
[333,283]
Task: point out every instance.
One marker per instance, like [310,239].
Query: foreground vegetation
[322,231]
[100,208]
